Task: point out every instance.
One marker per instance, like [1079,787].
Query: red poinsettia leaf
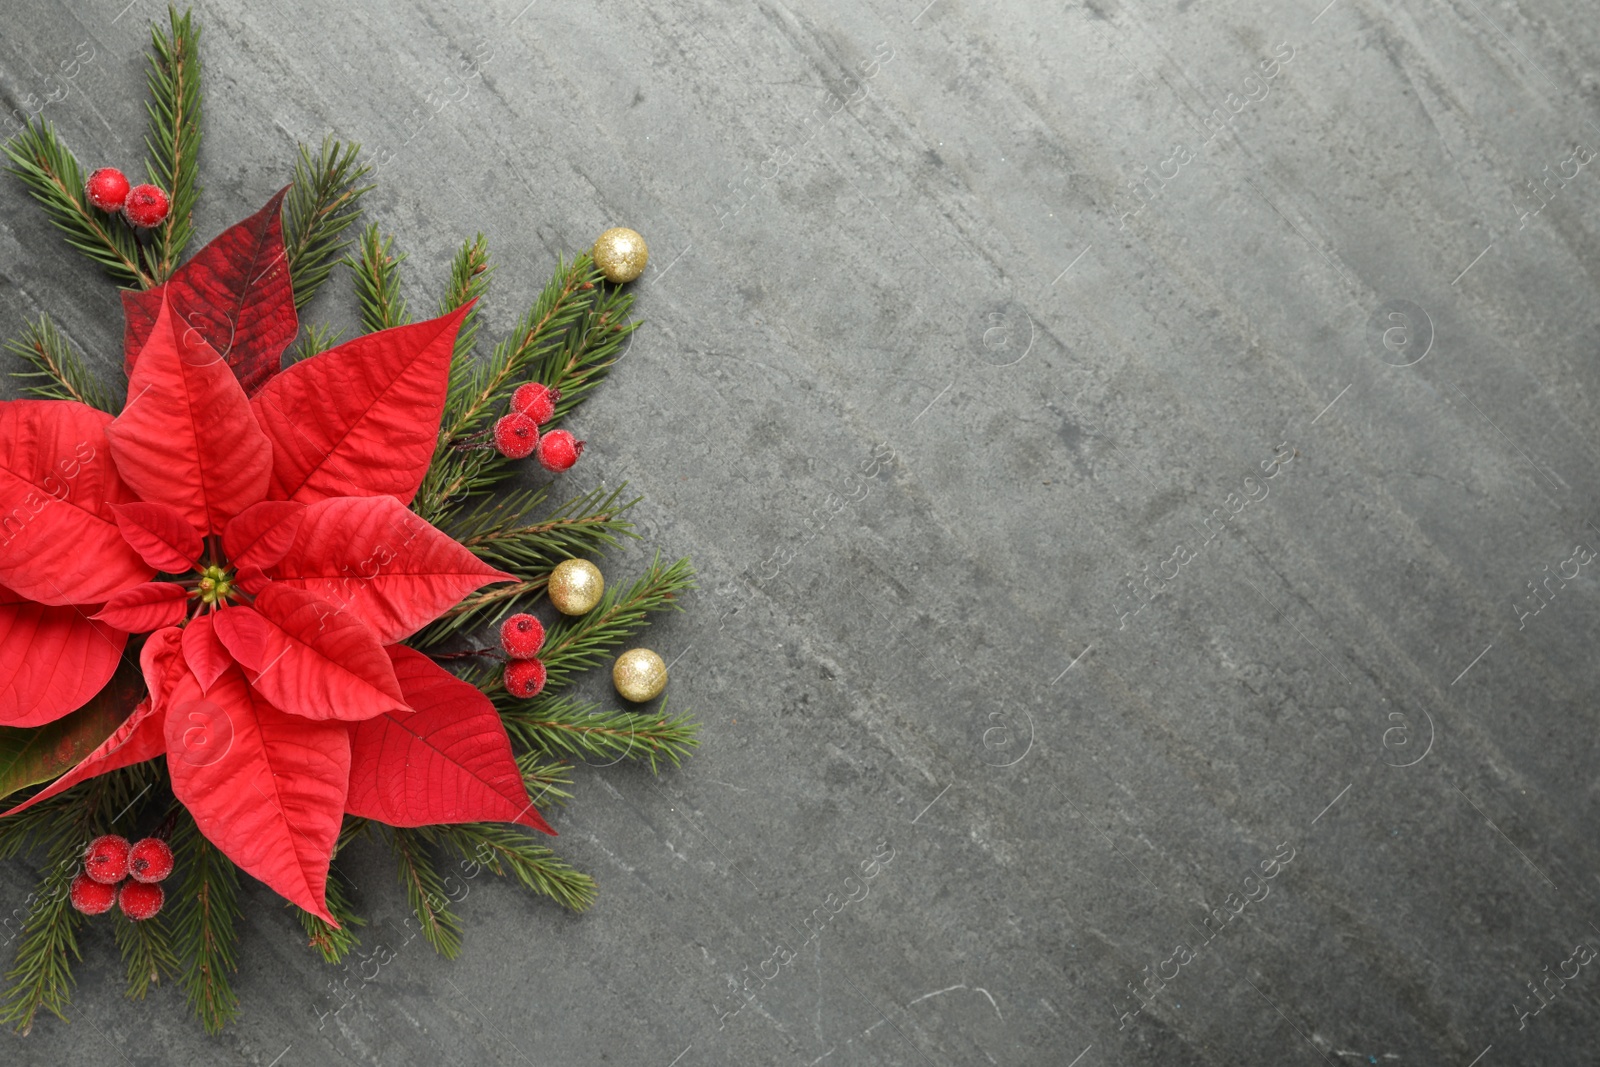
[235,291]
[308,658]
[138,738]
[186,436]
[53,660]
[447,762]
[160,534]
[161,661]
[204,652]
[271,796]
[360,419]
[59,541]
[251,579]
[145,607]
[260,534]
[381,562]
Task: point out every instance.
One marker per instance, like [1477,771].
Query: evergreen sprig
[204,917]
[147,953]
[58,373]
[425,891]
[54,177]
[41,977]
[377,273]
[173,141]
[317,339]
[510,851]
[545,779]
[587,640]
[324,200]
[560,725]
[333,943]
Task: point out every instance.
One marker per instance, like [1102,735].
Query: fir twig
[565,726]
[334,944]
[173,142]
[318,338]
[441,927]
[586,641]
[204,914]
[322,203]
[506,850]
[55,178]
[41,977]
[544,779]
[147,953]
[377,271]
[58,373]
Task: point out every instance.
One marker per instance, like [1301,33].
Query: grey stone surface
[927,386]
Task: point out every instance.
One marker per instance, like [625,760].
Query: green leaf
[30,755]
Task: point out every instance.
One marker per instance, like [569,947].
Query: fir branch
[58,373]
[54,177]
[173,142]
[333,943]
[441,927]
[584,642]
[506,850]
[564,726]
[147,953]
[41,977]
[377,271]
[469,280]
[322,203]
[318,338]
[544,779]
[204,914]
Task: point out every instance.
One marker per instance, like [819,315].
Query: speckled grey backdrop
[974,334]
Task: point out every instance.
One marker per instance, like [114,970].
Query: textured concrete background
[973,334]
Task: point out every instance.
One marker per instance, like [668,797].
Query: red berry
[536,400]
[106,859]
[524,678]
[92,897]
[107,189]
[521,636]
[516,436]
[140,900]
[558,451]
[146,206]
[149,860]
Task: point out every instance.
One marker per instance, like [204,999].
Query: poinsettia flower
[265,545]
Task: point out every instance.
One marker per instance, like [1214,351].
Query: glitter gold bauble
[620,253]
[639,675]
[575,586]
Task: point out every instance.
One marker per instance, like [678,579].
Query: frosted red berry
[107,189]
[106,859]
[536,400]
[149,860]
[516,436]
[140,900]
[524,678]
[521,636]
[146,206]
[558,451]
[92,897]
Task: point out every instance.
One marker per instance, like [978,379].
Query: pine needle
[507,850]
[41,977]
[173,141]
[441,927]
[58,373]
[147,953]
[377,271]
[564,726]
[323,202]
[54,177]
[205,912]
[334,944]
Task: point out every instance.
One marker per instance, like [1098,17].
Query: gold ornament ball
[575,586]
[639,675]
[620,253]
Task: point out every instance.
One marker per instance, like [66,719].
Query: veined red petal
[145,607]
[204,652]
[449,761]
[260,534]
[381,562]
[308,658]
[272,796]
[53,660]
[361,419]
[138,738]
[187,436]
[161,660]
[59,541]
[160,534]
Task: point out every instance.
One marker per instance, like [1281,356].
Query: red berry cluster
[521,636]
[110,859]
[517,435]
[143,206]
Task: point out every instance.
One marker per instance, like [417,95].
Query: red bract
[278,693]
